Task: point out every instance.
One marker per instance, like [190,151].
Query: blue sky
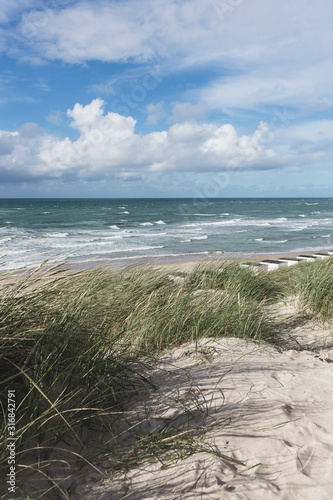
[194,98]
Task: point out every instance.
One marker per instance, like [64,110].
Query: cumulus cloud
[108,145]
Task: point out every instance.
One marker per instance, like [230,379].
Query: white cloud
[271,52]
[108,145]
[185,111]
[312,131]
[55,117]
[155,112]
[137,30]
[11,7]
[308,89]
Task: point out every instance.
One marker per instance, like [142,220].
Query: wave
[160,222]
[114,227]
[125,212]
[152,235]
[146,224]
[56,235]
[195,238]
[311,203]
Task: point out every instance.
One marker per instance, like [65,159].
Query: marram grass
[73,346]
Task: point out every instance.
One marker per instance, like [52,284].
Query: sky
[166,98]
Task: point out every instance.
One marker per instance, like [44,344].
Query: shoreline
[183,262]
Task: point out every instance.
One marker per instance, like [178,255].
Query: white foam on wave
[259,239]
[302,215]
[160,222]
[324,236]
[114,227]
[152,235]
[125,212]
[200,237]
[136,249]
[312,213]
[146,224]
[191,225]
[56,235]
[222,223]
[311,203]
[46,212]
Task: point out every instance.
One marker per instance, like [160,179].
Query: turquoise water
[107,229]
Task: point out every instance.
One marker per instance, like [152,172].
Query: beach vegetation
[78,347]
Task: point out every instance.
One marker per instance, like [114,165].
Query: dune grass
[312,283]
[76,347]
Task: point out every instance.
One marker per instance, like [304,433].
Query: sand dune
[269,410]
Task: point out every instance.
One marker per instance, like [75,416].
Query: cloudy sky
[135,98]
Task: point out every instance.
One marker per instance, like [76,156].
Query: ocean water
[80,230]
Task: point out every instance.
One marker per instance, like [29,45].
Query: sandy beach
[180,263]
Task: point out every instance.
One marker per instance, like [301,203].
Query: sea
[161,230]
